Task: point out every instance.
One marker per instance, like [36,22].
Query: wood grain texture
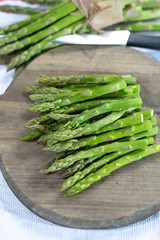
[128,195]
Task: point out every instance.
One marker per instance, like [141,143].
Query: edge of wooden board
[78,223]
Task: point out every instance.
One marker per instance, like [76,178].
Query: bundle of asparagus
[26,39]
[33,35]
[93,122]
[143,15]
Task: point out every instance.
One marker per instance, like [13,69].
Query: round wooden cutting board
[128,195]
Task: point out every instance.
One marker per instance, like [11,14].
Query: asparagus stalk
[153,122]
[44,119]
[84,79]
[147,114]
[105,108]
[57,116]
[79,107]
[95,166]
[85,130]
[150,4]
[127,2]
[108,168]
[18,70]
[48,97]
[80,96]
[74,108]
[142,26]
[150,132]
[127,121]
[40,124]
[59,25]
[145,15]
[127,92]
[82,106]
[18,25]
[18,9]
[41,46]
[39,24]
[107,148]
[38,130]
[54,159]
[97,139]
[44,90]
[50,94]
[71,170]
[32,135]
[79,165]
[132,11]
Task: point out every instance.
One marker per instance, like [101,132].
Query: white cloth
[17,222]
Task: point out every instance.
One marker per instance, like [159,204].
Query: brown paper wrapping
[100,13]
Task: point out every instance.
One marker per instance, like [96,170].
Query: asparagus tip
[10,67]
[44,171]
[62,189]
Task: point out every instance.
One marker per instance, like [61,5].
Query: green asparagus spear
[108,168]
[38,121]
[18,25]
[57,116]
[71,170]
[44,90]
[39,24]
[106,148]
[41,129]
[101,162]
[29,40]
[47,94]
[62,135]
[78,166]
[41,46]
[147,114]
[74,108]
[127,92]
[54,159]
[127,121]
[80,96]
[143,134]
[145,15]
[150,132]
[105,108]
[150,4]
[87,129]
[74,144]
[135,118]
[132,11]
[77,107]
[32,135]
[49,97]
[18,9]
[95,166]
[141,26]
[127,2]
[84,79]
[27,55]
